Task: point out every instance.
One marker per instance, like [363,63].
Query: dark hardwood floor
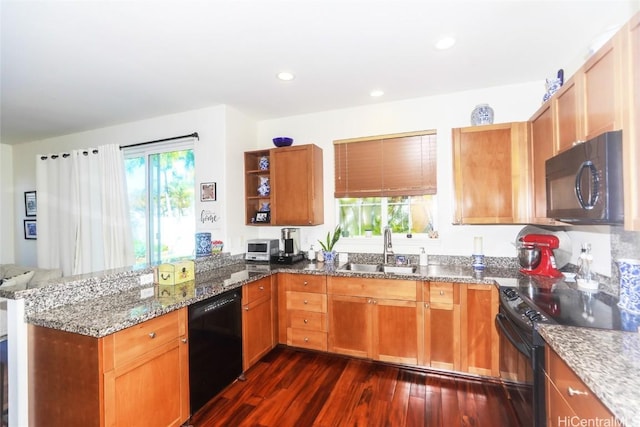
[291,387]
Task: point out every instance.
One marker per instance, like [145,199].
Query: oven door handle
[521,343]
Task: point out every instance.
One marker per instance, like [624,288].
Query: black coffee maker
[291,240]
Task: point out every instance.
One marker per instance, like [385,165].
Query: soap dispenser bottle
[423,261]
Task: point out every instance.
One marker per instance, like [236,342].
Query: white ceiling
[70,66]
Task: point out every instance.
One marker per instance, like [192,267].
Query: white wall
[213,164]
[225,133]
[510,103]
[6,205]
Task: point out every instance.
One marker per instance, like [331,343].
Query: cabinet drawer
[308,320]
[373,288]
[139,339]
[577,395]
[314,340]
[441,293]
[306,283]
[257,290]
[306,301]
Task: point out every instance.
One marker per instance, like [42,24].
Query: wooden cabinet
[258,334]
[491,174]
[479,338]
[601,76]
[631,123]
[567,396]
[541,148]
[256,171]
[137,376]
[375,318]
[568,119]
[442,325]
[303,310]
[295,176]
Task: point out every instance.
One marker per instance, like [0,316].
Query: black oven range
[537,301]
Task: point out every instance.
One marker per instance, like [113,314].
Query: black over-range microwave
[584,183]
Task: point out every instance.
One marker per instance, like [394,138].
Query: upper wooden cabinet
[631,124]
[295,177]
[603,95]
[491,174]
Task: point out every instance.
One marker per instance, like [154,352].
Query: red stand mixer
[543,264]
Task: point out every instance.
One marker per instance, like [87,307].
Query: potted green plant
[327,246]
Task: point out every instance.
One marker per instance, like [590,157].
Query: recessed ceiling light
[286,76]
[376,93]
[445,42]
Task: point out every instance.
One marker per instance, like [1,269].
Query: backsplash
[624,244]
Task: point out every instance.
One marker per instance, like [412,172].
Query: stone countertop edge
[608,362]
[102,315]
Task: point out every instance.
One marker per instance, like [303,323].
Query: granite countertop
[105,314]
[608,362]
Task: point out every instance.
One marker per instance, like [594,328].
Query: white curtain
[83,213]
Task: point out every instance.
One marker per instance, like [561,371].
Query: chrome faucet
[387,250]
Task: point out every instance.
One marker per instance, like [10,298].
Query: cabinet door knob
[152,335]
[426,305]
[261,288]
[306,339]
[375,302]
[441,292]
[184,340]
[306,321]
[305,283]
[246,308]
[369,301]
[573,392]
[306,302]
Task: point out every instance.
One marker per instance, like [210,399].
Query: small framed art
[207,191]
[30,204]
[263,217]
[30,230]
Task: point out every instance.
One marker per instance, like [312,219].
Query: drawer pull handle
[261,288]
[184,340]
[305,283]
[305,321]
[369,301]
[441,292]
[246,308]
[152,335]
[573,392]
[306,339]
[306,302]
[375,302]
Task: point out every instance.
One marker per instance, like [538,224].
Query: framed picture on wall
[30,231]
[207,191]
[30,204]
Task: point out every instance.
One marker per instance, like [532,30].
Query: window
[404,214]
[387,180]
[161,184]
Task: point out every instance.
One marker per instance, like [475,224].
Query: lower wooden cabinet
[302,304]
[479,338]
[442,325]
[258,333]
[375,318]
[568,397]
[137,376]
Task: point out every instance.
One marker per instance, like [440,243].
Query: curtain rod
[192,135]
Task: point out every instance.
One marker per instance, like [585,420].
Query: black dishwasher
[215,346]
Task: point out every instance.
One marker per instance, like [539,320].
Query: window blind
[386,166]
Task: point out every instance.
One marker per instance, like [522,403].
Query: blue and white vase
[264,188]
[629,285]
[263,164]
[330,256]
[482,115]
[203,244]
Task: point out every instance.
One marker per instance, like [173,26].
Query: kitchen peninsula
[95,316]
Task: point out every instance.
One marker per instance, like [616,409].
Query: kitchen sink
[379,268]
[399,269]
[362,268]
